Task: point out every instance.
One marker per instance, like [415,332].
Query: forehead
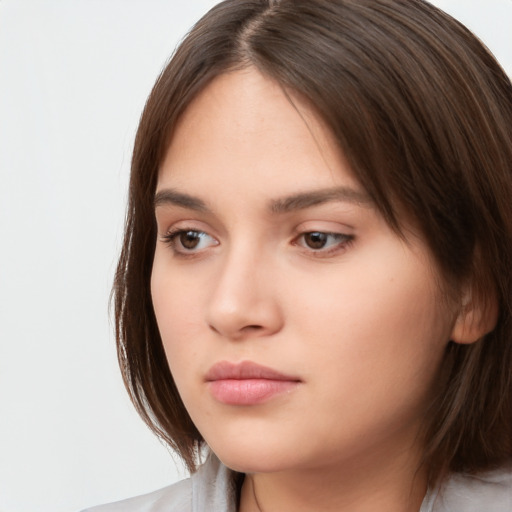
[243,128]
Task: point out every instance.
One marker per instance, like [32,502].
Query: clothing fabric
[211,490]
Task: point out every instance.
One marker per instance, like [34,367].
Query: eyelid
[169,222]
[344,233]
[344,239]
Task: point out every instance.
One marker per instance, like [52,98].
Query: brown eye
[322,243]
[316,240]
[187,242]
[189,239]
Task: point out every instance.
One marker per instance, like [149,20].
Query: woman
[314,292]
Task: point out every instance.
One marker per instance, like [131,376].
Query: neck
[392,485]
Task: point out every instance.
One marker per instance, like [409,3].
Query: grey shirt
[211,490]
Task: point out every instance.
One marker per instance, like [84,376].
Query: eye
[319,241]
[189,241]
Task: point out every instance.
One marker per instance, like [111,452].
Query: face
[299,328]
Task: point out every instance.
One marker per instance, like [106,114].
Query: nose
[244,300]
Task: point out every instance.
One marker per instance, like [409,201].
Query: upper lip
[224,370]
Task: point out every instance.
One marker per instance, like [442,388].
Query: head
[421,115]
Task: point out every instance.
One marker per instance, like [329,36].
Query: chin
[251,457]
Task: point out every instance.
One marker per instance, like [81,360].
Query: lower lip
[249,391]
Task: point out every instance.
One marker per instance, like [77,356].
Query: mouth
[247,383]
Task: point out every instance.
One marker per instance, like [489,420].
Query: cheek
[179,331]
[376,328]
[383,291]
[371,356]
[176,304]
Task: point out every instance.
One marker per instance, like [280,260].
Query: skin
[360,322]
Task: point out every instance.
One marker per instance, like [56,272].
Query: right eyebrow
[170,196]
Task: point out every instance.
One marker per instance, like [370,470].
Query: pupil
[316,240]
[189,239]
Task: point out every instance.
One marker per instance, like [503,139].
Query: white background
[74,75]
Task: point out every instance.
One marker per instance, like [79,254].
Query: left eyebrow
[304,200]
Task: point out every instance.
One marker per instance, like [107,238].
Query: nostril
[252,328]
[238,333]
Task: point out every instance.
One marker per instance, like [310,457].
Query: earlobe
[476,318]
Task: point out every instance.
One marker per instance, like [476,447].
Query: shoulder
[173,498]
[210,488]
[490,491]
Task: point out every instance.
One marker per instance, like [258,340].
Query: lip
[247,383]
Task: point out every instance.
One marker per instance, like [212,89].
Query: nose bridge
[243,299]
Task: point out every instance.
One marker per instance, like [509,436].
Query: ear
[477,317]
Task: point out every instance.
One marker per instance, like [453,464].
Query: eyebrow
[304,200]
[170,196]
[299,201]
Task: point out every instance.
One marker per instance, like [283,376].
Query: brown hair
[423,113]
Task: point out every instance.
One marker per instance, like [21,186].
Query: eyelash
[344,241]
[172,240]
